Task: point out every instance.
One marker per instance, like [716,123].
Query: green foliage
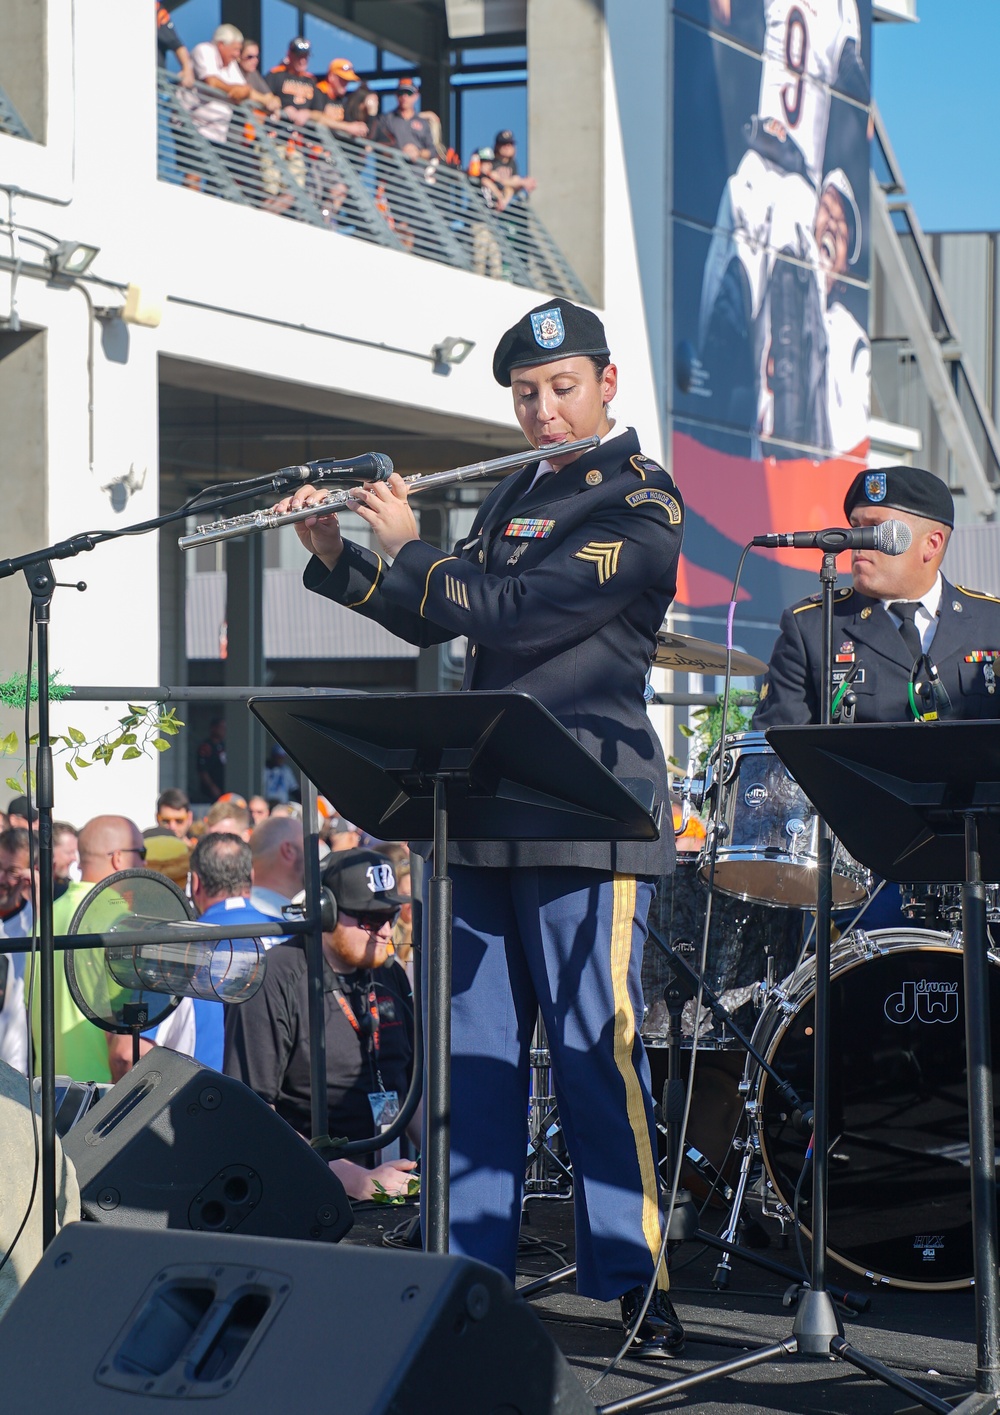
[382,1195]
[708,726]
[12,689]
[144,729]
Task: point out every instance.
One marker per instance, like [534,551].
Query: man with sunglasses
[369,1020]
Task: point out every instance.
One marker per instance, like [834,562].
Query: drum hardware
[547,1174]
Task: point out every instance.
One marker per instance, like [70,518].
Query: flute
[253,521]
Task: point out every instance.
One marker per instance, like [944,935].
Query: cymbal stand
[548,1175]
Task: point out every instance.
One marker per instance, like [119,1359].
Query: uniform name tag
[839,674]
[529,528]
[662,498]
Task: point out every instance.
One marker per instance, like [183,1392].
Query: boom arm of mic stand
[786,1090]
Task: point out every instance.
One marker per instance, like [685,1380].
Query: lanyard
[373,1036]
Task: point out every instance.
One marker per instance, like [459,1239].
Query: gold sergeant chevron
[602,553]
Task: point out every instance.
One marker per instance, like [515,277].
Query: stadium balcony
[361,189]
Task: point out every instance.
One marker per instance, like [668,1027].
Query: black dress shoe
[660,1334]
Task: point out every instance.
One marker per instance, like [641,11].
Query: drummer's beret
[902,489]
[555,330]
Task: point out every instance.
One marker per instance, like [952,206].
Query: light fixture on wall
[451,351]
[72,258]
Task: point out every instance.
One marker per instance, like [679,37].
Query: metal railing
[355,186]
[11,121]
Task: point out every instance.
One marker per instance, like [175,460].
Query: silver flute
[340,500]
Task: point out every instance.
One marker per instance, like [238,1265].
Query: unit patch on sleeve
[663,498]
[457,591]
[529,528]
[602,553]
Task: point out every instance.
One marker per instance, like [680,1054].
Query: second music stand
[921,802]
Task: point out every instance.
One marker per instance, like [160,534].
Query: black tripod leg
[979,1070]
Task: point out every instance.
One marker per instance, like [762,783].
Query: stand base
[978,1404]
[684,1219]
[817,1324]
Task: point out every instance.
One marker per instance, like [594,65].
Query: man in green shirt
[83,1050]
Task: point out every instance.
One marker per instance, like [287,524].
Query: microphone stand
[37,568]
[817,1323]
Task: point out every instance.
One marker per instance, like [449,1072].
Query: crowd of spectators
[293,103]
[242,862]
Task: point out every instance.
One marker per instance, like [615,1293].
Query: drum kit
[899,1195]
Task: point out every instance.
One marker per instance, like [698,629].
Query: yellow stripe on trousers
[623,913]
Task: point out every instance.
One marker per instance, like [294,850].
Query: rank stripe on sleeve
[604,555]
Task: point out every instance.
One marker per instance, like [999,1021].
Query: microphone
[890,537]
[370,466]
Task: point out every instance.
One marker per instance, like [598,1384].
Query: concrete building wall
[245,295]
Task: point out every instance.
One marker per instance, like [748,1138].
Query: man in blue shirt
[221,878]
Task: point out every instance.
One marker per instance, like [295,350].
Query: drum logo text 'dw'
[924,1000]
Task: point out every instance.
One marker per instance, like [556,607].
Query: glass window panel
[513,54]
[280,23]
[485,111]
[196,20]
[331,42]
[393,61]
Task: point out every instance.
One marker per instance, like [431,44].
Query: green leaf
[137,711]
[77,736]
[160,744]
[81,761]
[69,768]
[9,744]
[128,738]
[130,754]
[685,730]
[165,725]
[14,784]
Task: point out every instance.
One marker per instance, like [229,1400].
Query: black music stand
[921,802]
[453,766]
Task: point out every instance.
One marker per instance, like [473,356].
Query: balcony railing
[359,188]
[11,121]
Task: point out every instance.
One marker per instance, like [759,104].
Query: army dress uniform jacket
[968,627]
[560,591]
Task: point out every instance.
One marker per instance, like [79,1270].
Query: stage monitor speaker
[247,1326]
[177,1145]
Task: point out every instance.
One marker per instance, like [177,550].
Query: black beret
[902,489]
[555,330]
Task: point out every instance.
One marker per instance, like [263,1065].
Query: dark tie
[906,610]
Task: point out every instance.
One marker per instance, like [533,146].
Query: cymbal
[680,651]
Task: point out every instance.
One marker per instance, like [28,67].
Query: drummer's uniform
[866,638]
[560,589]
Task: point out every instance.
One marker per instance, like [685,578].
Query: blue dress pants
[567,941]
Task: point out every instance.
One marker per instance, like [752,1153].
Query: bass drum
[900,1203]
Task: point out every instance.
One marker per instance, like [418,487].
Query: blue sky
[936,85]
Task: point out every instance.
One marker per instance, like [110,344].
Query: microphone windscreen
[893,537]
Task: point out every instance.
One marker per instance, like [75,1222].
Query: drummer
[907,644]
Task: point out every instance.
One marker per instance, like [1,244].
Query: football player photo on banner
[770,397]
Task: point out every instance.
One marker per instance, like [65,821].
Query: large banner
[771,390]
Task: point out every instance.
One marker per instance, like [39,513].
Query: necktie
[906,610]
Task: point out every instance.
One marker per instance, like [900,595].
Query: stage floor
[927,1337]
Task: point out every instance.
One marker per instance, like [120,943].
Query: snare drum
[768,846]
[900,1208]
